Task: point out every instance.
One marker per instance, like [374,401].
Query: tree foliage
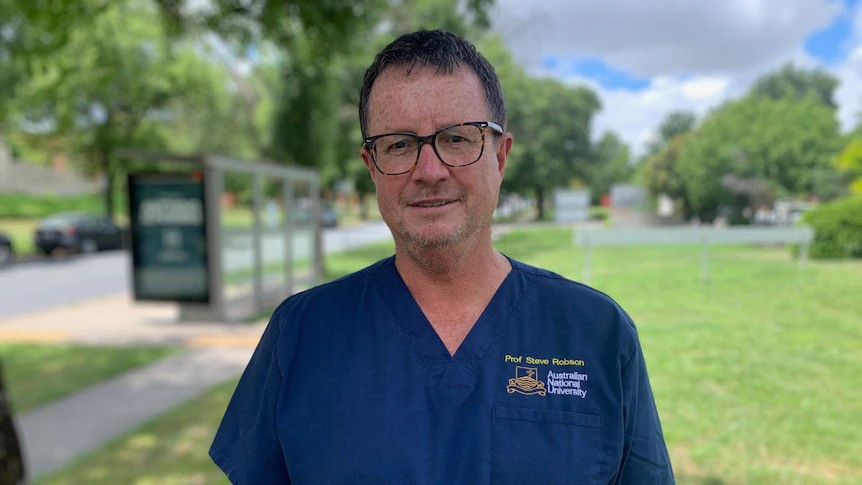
[797,83]
[610,164]
[30,32]
[837,228]
[662,175]
[551,123]
[674,124]
[849,161]
[779,140]
[554,129]
[785,142]
[326,24]
[120,84]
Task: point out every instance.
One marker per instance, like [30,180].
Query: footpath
[56,434]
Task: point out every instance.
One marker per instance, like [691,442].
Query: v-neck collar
[451,370]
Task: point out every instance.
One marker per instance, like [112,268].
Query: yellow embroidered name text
[512,358]
[531,360]
[577,362]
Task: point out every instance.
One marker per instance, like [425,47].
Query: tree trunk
[363,209]
[540,203]
[105,162]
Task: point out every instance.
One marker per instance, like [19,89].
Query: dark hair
[443,50]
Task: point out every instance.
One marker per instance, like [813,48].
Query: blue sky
[646,59]
[832,43]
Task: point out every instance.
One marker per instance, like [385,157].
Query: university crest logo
[525,382]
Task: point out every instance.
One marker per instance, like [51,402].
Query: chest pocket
[543,446]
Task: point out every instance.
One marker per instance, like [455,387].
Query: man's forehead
[423,79]
[410,71]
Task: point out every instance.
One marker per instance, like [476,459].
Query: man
[11,461]
[449,362]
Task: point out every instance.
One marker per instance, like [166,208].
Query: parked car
[328,216]
[78,232]
[7,251]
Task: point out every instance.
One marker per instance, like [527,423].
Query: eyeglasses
[456,146]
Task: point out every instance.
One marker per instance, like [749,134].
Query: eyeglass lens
[456,146]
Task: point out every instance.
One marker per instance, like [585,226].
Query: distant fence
[23,178]
[705,236]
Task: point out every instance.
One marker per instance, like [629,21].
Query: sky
[646,59]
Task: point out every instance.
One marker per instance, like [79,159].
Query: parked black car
[7,252]
[328,216]
[78,232]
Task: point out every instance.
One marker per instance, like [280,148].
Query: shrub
[837,228]
[600,213]
[16,206]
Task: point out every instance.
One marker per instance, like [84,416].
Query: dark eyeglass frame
[368,144]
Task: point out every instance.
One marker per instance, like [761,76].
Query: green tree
[674,124]
[554,128]
[659,168]
[661,173]
[550,122]
[785,142]
[610,165]
[797,83]
[849,161]
[32,30]
[117,84]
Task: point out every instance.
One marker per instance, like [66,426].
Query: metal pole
[214,187]
[704,256]
[257,242]
[318,231]
[587,268]
[287,203]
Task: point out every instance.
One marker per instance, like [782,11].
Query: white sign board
[571,205]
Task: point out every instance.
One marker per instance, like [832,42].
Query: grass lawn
[21,232]
[170,450]
[37,374]
[756,372]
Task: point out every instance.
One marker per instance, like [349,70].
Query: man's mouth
[431,203]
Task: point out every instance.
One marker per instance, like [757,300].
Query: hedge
[837,228]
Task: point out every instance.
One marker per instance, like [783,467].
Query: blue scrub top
[351,384]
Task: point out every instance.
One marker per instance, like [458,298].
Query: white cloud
[849,93]
[704,88]
[696,54]
[635,115]
[661,36]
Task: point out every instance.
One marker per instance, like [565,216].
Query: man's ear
[369,163]
[504,146]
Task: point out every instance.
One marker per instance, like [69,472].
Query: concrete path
[58,433]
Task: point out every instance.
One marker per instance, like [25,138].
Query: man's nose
[429,167]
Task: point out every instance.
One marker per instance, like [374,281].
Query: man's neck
[451,269]
[453,285]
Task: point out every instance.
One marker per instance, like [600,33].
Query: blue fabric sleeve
[645,458]
[246,446]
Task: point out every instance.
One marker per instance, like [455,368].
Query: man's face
[435,205]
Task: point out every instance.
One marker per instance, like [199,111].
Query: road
[51,282]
